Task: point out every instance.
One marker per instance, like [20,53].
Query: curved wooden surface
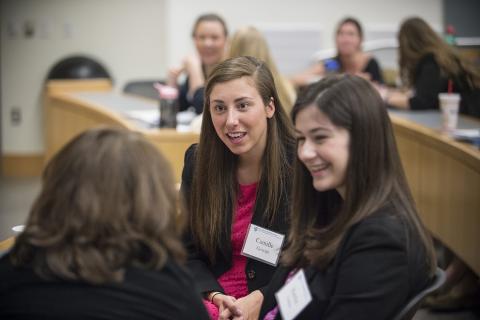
[67,115]
[444,176]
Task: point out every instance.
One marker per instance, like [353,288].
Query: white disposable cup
[449,104]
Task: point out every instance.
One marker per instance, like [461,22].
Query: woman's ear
[270,108]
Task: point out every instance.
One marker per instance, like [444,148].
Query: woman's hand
[245,308]
[222,301]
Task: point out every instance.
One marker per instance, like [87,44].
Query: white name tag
[293,297]
[262,244]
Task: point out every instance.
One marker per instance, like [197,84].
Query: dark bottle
[168,106]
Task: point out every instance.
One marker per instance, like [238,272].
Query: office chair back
[410,309]
[78,67]
[143,88]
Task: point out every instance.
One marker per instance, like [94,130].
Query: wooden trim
[57,86]
[7,243]
[22,165]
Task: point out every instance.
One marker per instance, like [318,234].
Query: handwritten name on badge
[262,244]
[293,297]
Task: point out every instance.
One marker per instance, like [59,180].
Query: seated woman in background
[210,37]
[427,65]
[102,238]
[248,41]
[237,175]
[355,231]
[349,59]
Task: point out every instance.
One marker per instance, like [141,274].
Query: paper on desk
[150,116]
[467,133]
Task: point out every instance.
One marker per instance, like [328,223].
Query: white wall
[126,36]
[141,38]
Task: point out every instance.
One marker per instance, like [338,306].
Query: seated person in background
[210,37]
[248,41]
[102,238]
[355,231]
[237,175]
[350,57]
[427,65]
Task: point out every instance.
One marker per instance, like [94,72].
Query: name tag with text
[262,244]
[294,296]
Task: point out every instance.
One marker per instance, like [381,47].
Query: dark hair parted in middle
[214,182]
[374,176]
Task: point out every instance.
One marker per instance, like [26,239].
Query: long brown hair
[214,185]
[374,177]
[108,201]
[248,41]
[417,39]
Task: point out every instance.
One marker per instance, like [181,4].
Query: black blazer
[258,273]
[143,295]
[372,276]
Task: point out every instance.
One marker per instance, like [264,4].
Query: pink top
[234,281]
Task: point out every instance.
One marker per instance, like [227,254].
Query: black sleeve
[197,100]
[197,262]
[184,102]
[371,279]
[373,68]
[428,84]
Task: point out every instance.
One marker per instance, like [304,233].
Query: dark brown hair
[416,40]
[374,177]
[108,201]
[214,184]
[210,17]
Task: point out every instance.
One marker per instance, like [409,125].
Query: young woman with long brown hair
[427,65]
[237,175]
[102,240]
[355,231]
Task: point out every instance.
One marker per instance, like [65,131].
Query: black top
[196,100]
[376,270]
[166,294]
[258,274]
[372,68]
[430,80]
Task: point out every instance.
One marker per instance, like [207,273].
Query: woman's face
[323,148]
[210,41]
[348,39]
[240,116]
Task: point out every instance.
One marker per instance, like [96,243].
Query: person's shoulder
[382,227]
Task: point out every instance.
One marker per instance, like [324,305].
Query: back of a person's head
[416,38]
[108,201]
[248,41]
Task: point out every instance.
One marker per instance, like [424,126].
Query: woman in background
[210,37]
[102,238]
[355,230]
[349,59]
[427,65]
[248,41]
[237,175]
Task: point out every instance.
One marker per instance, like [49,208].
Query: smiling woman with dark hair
[102,238]
[355,234]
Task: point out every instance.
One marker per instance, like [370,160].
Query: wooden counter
[72,109]
[444,176]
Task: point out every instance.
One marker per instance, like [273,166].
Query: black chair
[143,88]
[78,67]
[410,309]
